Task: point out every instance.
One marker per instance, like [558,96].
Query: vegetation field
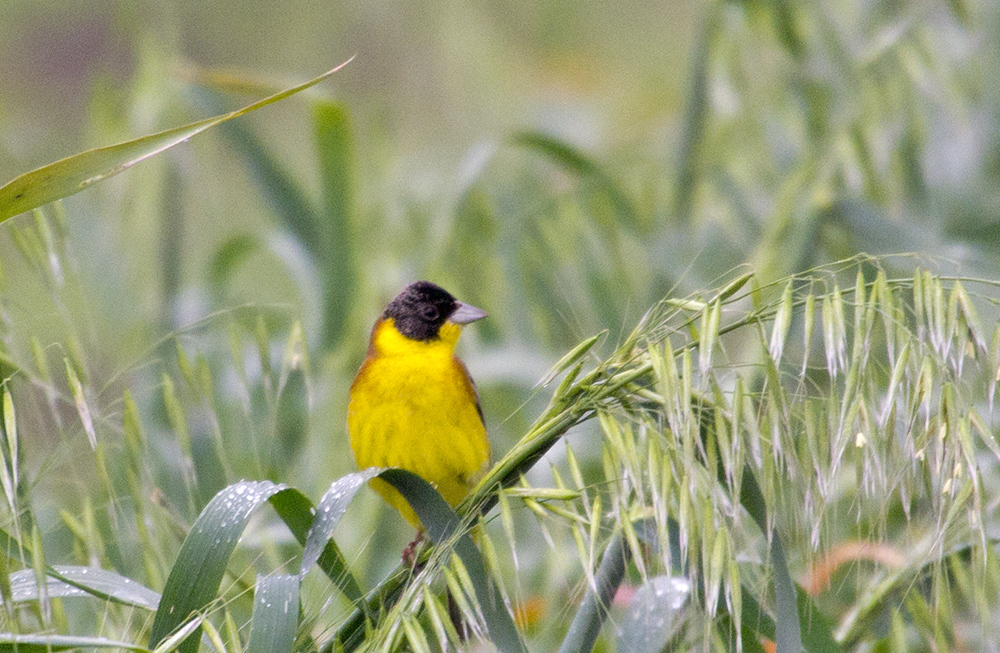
[742,265]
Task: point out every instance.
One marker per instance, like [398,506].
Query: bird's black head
[419,311]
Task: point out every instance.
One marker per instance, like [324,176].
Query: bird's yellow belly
[418,413]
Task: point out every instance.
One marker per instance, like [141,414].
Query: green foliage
[771,438]
[337,224]
[73,174]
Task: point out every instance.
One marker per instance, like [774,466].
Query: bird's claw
[410,552]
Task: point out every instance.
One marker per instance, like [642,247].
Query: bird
[413,404]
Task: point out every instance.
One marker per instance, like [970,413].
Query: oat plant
[805,464]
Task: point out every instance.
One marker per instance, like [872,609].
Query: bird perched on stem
[413,404]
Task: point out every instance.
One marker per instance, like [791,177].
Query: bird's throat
[388,341]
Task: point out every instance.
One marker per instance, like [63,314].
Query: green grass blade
[291,423]
[335,142]
[46,643]
[588,620]
[275,614]
[649,623]
[816,628]
[229,257]
[197,573]
[442,524]
[696,115]
[788,635]
[182,635]
[575,162]
[75,173]
[297,512]
[99,583]
[64,581]
[331,508]
[173,226]
[751,498]
[279,188]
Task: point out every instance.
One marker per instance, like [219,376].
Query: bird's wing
[472,385]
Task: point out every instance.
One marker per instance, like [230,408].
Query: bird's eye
[429,313]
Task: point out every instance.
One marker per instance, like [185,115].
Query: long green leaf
[46,643]
[330,509]
[572,160]
[442,524]
[279,188]
[788,635]
[66,581]
[95,582]
[75,173]
[338,240]
[197,573]
[275,614]
[696,115]
[590,617]
[297,512]
[291,423]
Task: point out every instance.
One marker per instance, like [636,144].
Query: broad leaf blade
[331,508]
[75,173]
[297,512]
[788,636]
[47,643]
[275,614]
[590,617]
[197,573]
[335,142]
[441,524]
[66,581]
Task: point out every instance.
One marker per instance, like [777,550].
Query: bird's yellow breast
[413,406]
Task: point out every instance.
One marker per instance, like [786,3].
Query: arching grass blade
[442,524]
[197,573]
[297,512]
[64,581]
[588,620]
[788,635]
[47,643]
[275,614]
[75,173]
[331,508]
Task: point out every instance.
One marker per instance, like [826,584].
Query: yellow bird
[413,404]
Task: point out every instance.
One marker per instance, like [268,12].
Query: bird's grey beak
[466,313]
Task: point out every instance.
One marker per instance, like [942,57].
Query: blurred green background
[561,164]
